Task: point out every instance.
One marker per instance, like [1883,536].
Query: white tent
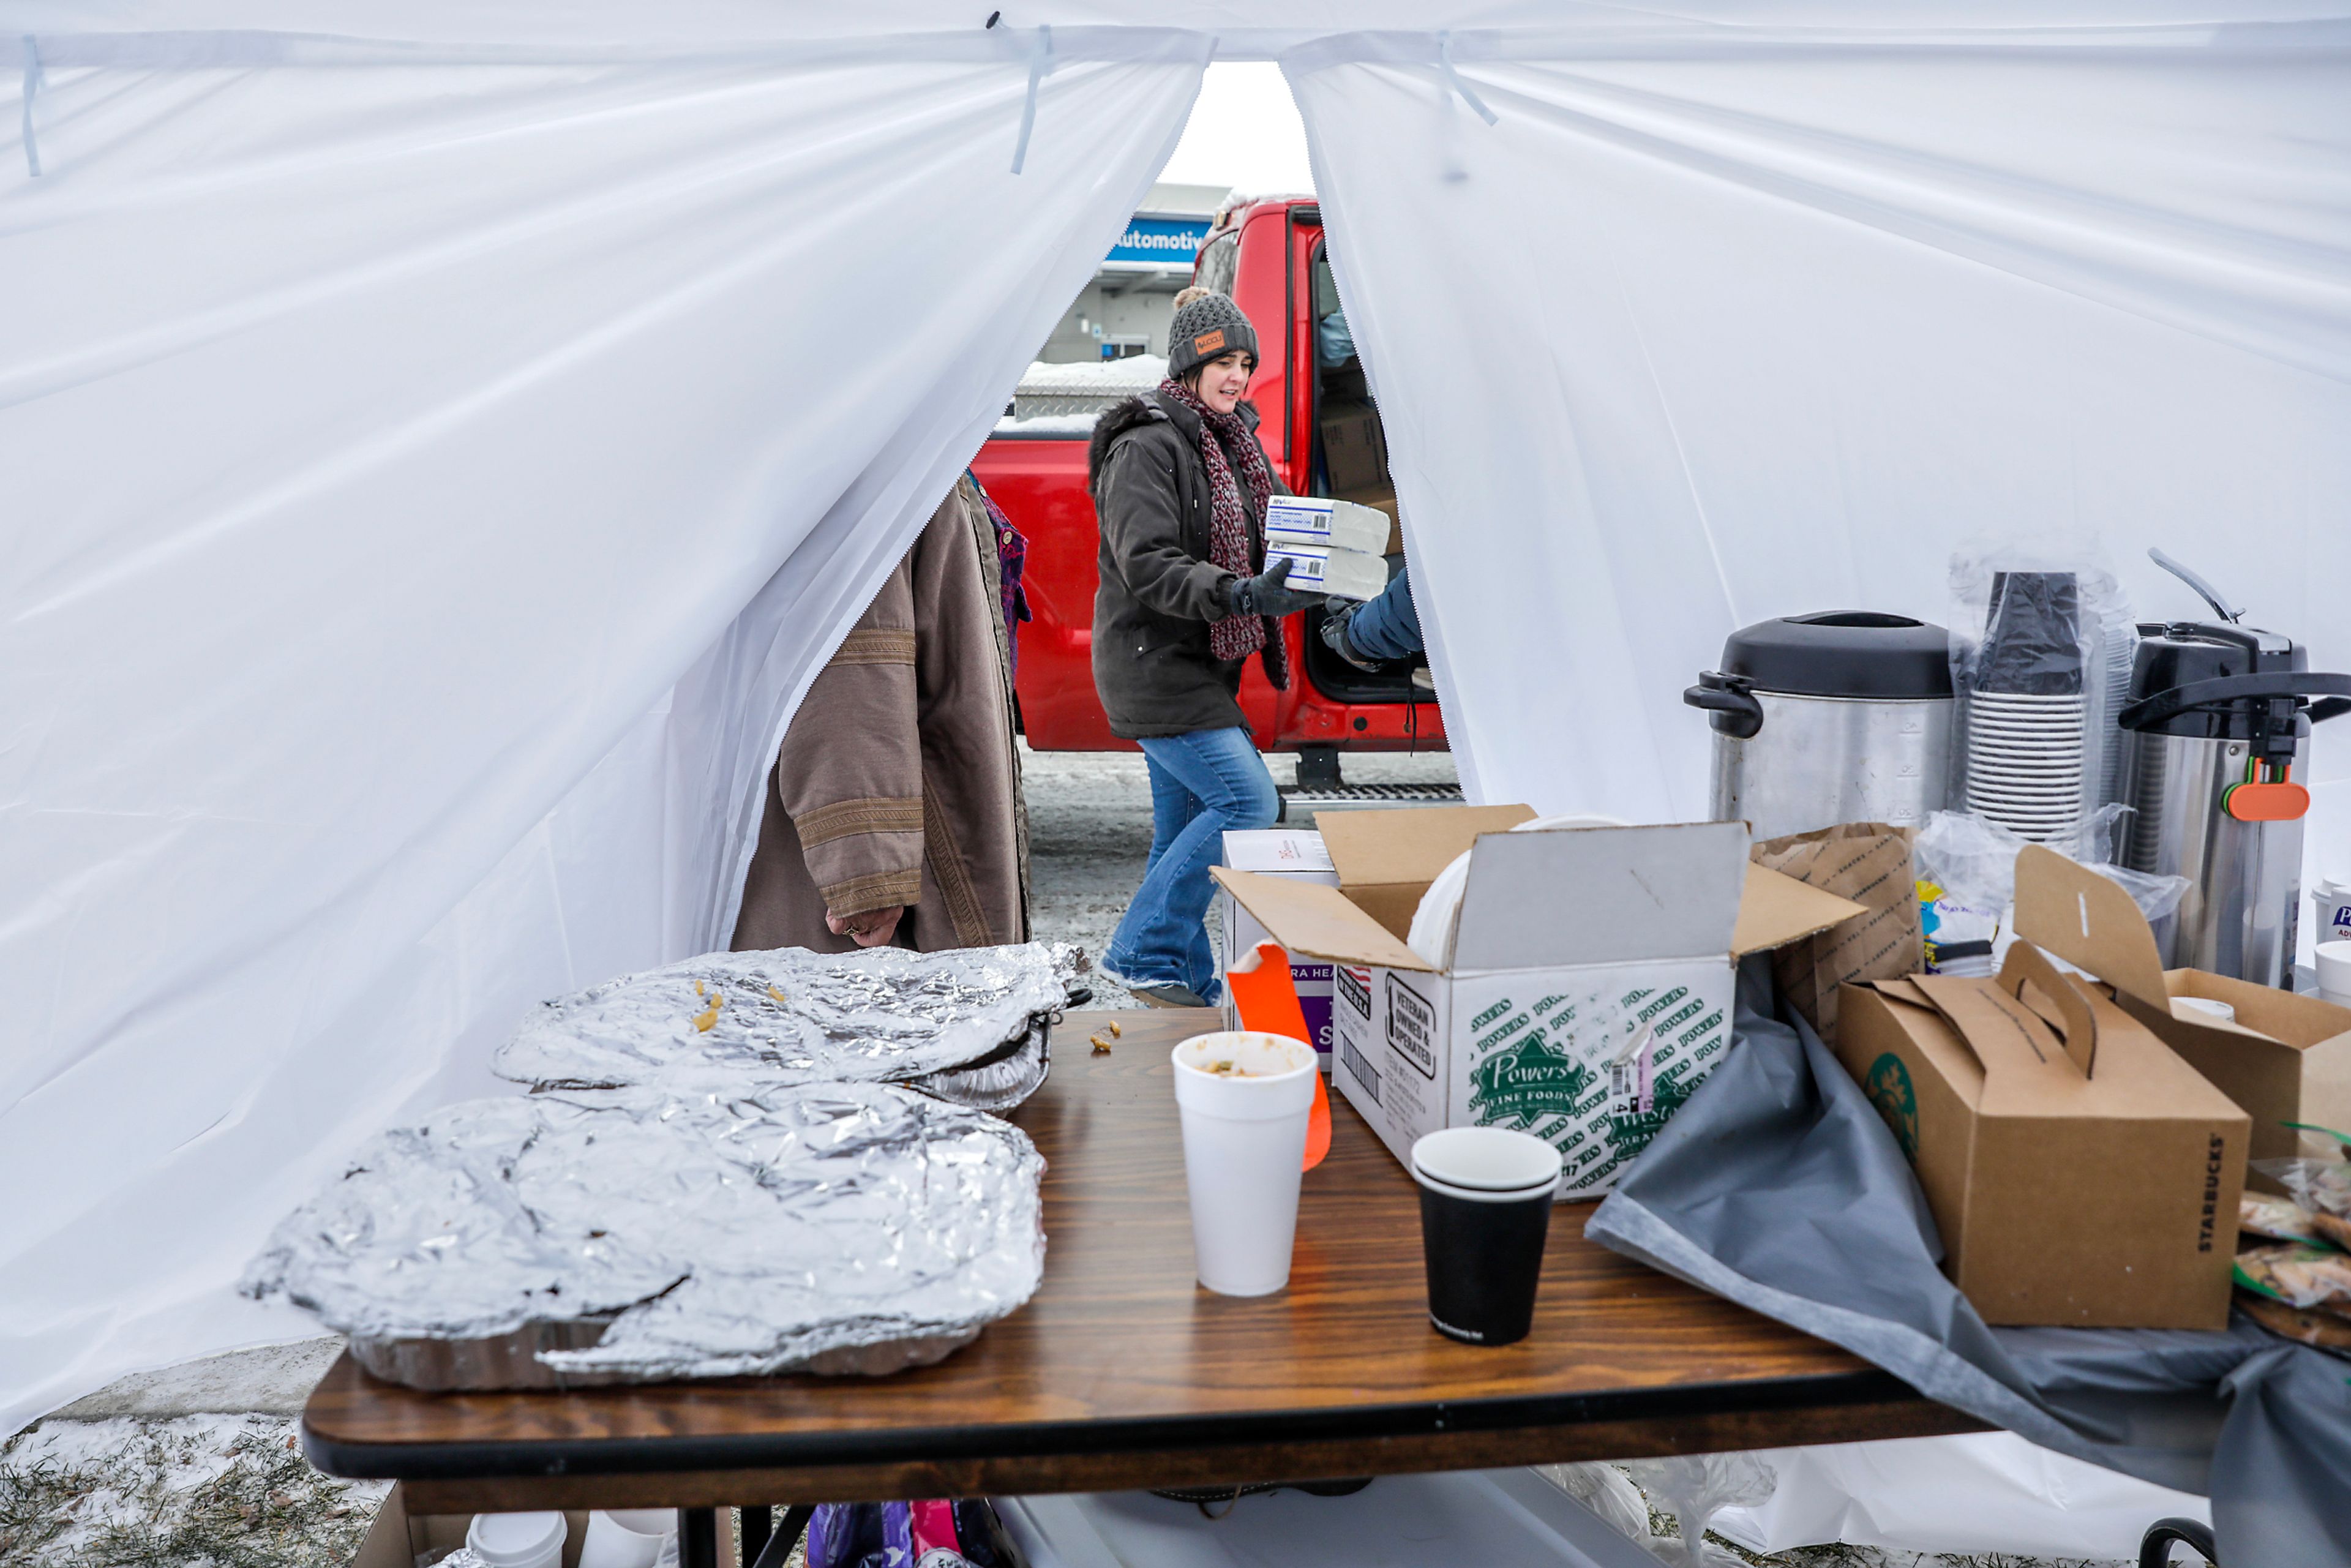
[440,440]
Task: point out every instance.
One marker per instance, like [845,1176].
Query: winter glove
[1337,615]
[1269,593]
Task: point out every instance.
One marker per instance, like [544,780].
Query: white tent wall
[1767,320]
[436,463]
[433,482]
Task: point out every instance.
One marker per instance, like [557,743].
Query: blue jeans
[1387,627]
[1201,784]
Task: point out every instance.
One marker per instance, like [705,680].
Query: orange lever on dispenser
[1267,999]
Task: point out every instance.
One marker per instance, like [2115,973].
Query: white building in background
[1125,311]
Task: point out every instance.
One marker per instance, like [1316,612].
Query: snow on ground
[196,1491]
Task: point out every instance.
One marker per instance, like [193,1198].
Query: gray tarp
[1778,1186]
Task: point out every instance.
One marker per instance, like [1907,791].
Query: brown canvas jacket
[898,782]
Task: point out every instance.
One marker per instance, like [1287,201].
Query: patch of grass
[175,1498]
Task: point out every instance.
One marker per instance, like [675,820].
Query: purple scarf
[1234,636]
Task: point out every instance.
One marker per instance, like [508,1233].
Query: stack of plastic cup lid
[2026,761]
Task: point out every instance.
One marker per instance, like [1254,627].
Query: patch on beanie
[1208,344]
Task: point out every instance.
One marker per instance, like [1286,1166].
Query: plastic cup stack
[1244,1152]
[2335,972]
[628,1537]
[517,1540]
[2028,767]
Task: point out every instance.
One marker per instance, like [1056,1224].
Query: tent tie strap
[1453,80]
[1041,61]
[33,86]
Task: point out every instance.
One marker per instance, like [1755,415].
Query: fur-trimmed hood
[1127,413]
[1133,414]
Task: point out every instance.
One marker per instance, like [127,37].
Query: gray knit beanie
[1205,328]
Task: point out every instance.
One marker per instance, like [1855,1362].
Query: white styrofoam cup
[1244,1150]
[626,1537]
[517,1540]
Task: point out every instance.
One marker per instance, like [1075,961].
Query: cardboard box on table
[399,1539]
[2287,1059]
[1296,853]
[1588,990]
[1868,862]
[2079,1170]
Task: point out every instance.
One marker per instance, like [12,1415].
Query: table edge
[434,1460]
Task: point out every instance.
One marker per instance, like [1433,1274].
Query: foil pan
[970,1026]
[558,1240]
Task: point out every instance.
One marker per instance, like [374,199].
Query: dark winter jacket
[1158,593]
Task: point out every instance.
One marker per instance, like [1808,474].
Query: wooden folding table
[1121,1373]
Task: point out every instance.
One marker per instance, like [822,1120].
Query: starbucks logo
[1527,1083]
[1888,1088]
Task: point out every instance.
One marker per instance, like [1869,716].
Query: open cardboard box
[398,1538]
[2287,1059]
[1588,990]
[2079,1172]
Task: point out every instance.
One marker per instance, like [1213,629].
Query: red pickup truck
[1268,256]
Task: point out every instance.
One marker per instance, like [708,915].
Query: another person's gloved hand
[1337,614]
[1269,593]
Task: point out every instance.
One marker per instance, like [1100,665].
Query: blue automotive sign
[1160,241]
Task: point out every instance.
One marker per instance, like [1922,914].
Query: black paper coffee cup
[1486,1198]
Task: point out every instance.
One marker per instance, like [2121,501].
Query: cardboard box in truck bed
[2079,1172]
[2287,1059]
[1588,987]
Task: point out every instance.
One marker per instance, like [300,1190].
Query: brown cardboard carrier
[2286,1060]
[2080,1170]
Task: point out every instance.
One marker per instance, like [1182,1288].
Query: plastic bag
[2042,642]
[1965,864]
[2298,1274]
[1693,1487]
[2322,1187]
[1606,1491]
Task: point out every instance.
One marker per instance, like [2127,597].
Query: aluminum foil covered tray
[543,1241]
[970,1026]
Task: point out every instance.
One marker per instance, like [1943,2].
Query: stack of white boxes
[1332,547]
[1294,854]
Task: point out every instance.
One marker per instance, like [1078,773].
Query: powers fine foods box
[1296,853]
[1586,991]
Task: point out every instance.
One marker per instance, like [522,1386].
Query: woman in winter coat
[1180,487]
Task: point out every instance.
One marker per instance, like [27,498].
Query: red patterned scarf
[1234,636]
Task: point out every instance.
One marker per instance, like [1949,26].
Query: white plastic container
[627,1537]
[1244,1146]
[517,1540]
[2335,972]
[2197,1009]
[2330,912]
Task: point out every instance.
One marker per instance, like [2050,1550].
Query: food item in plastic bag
[2322,1331]
[2323,1186]
[1693,1487]
[2297,1274]
[1966,869]
[2264,1214]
